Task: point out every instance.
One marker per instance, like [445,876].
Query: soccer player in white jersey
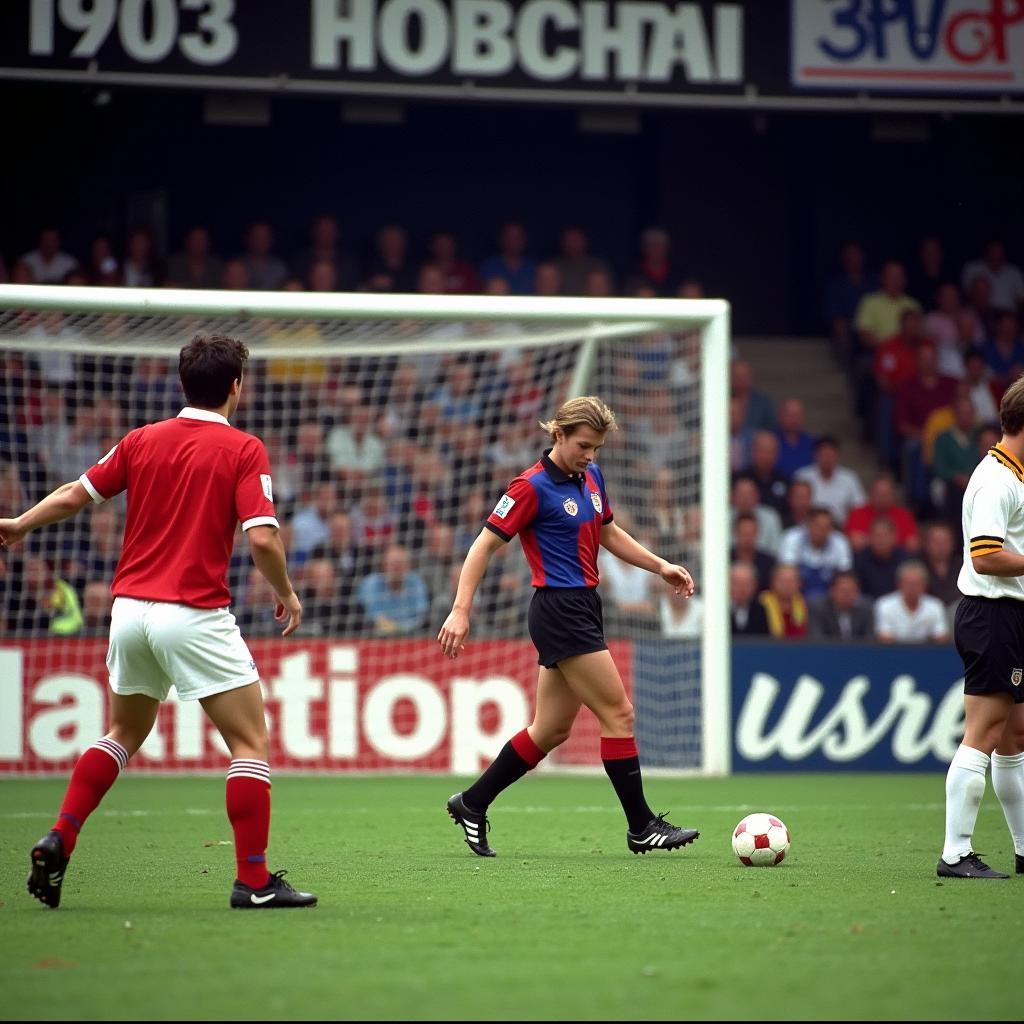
[989,634]
[190,480]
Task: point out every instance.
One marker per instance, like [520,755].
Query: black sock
[506,768]
[629,788]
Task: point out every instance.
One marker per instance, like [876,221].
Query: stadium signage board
[370,705]
[811,54]
[928,45]
[865,707]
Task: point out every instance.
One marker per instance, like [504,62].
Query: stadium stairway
[805,368]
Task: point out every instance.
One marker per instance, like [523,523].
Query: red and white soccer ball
[760,840]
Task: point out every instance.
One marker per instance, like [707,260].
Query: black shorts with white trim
[989,636]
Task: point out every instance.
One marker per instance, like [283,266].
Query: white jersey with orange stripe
[993,520]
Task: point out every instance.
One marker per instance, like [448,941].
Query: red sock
[97,770]
[248,799]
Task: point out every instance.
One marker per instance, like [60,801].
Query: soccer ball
[760,841]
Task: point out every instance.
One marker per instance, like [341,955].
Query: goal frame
[596,319]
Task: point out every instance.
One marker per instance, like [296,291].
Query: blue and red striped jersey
[558,518]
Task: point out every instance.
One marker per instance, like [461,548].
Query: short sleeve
[515,510]
[254,492]
[993,507]
[109,477]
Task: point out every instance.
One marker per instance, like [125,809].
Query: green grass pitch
[564,924]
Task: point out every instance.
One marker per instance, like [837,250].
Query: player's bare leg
[239,717]
[131,720]
[557,708]
[1008,780]
[987,716]
[595,680]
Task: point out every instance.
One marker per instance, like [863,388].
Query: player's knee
[621,719]
[556,737]
[129,738]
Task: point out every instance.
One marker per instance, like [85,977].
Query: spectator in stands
[879,313]
[928,273]
[979,300]
[154,391]
[47,262]
[663,441]
[980,388]
[843,294]
[436,561]
[390,269]
[784,604]
[915,402]
[395,601]
[458,398]
[954,459]
[236,276]
[741,437]
[953,328]
[266,271]
[312,519]
[426,499]
[12,490]
[681,619]
[309,458]
[799,500]
[894,365]
[1005,280]
[1004,351]
[323,276]
[878,563]
[459,276]
[511,263]
[355,449]
[97,602]
[908,614]
[195,266]
[599,285]
[772,484]
[94,554]
[374,526]
[83,445]
[141,267]
[943,558]
[547,280]
[818,551]
[882,502]
[655,270]
[103,268]
[747,616]
[841,614]
[796,446]
[746,500]
[834,486]
[338,547]
[575,264]
[328,594]
[324,247]
[759,409]
[47,603]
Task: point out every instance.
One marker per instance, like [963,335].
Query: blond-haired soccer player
[190,480]
[560,509]
[989,634]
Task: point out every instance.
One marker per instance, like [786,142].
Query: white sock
[965,786]
[1008,782]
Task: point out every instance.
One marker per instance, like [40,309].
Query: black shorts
[989,635]
[564,622]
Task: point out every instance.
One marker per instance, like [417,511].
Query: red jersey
[190,481]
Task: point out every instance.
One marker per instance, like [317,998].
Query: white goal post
[87,341]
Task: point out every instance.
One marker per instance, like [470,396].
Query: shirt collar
[555,471]
[208,415]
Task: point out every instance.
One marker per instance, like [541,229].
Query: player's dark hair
[207,366]
[1011,408]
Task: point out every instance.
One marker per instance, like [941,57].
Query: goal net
[393,425]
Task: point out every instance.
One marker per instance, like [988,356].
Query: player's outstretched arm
[629,549]
[268,554]
[60,504]
[452,636]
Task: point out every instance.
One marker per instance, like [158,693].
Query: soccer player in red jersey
[190,480]
[560,509]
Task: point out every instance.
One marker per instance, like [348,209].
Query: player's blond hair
[585,411]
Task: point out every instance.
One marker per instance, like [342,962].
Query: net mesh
[390,442]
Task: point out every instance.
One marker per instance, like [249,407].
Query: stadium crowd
[384,469]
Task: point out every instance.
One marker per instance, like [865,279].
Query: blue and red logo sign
[924,45]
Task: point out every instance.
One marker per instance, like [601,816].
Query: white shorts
[155,645]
